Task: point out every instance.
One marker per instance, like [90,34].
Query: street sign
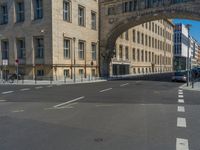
[5,62]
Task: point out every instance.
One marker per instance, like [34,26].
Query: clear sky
[195,29]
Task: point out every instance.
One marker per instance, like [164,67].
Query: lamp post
[74,40]
[188,26]
[1,59]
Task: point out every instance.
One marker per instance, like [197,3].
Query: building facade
[48,38]
[147,48]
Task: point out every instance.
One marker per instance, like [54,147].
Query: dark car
[179,76]
[14,76]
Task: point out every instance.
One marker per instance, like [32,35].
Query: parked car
[179,76]
[14,76]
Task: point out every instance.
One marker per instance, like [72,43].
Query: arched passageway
[118,16]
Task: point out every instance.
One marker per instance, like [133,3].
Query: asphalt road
[113,115]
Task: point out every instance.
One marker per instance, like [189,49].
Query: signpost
[17,63]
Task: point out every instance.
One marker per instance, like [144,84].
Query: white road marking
[103,105]
[26,89]
[8,92]
[181,122]
[181,101]
[180,96]
[18,111]
[180,90]
[3,100]
[182,144]
[124,84]
[181,109]
[105,90]
[180,93]
[49,86]
[39,87]
[68,102]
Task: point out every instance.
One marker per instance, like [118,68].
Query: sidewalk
[196,87]
[47,82]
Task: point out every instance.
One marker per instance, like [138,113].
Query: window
[40,72]
[66,73]
[142,55]
[126,35]
[39,47]
[93,20]
[120,51]
[126,53]
[67,10]
[38,9]
[138,55]
[81,49]
[67,48]
[81,72]
[4,14]
[81,16]
[21,52]
[20,12]
[94,51]
[146,57]
[93,73]
[4,49]
[138,37]
[142,39]
[133,35]
[133,54]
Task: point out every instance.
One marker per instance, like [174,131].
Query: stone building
[147,48]
[49,38]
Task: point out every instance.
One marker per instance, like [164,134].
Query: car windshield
[179,73]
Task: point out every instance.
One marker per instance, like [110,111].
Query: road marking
[181,109]
[105,90]
[18,111]
[180,90]
[104,105]
[68,102]
[8,92]
[124,84]
[181,122]
[181,101]
[180,93]
[49,86]
[26,89]
[182,144]
[39,87]
[180,96]
[3,100]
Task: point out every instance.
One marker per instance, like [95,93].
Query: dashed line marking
[180,93]
[49,86]
[3,100]
[180,96]
[181,109]
[17,111]
[124,84]
[180,90]
[181,101]
[181,122]
[68,102]
[26,89]
[105,90]
[182,144]
[7,92]
[39,87]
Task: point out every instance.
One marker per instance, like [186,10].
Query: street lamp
[74,40]
[188,26]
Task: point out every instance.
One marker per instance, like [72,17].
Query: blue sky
[195,29]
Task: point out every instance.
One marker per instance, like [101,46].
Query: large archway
[118,16]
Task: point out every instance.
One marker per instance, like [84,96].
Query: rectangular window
[66,73]
[126,53]
[67,10]
[3,14]
[126,35]
[142,56]
[81,50]
[93,20]
[81,16]
[94,51]
[133,35]
[138,55]
[138,37]
[120,51]
[146,57]
[38,9]
[21,52]
[40,72]
[81,72]
[20,14]
[4,49]
[39,47]
[67,48]
[133,54]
